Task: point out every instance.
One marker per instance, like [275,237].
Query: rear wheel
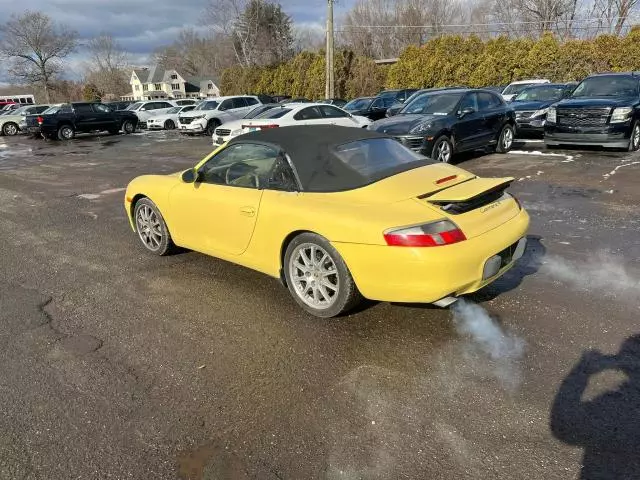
[442,150]
[66,132]
[10,129]
[634,141]
[169,125]
[318,278]
[505,140]
[151,228]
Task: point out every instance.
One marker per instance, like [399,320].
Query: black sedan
[442,123]
[532,104]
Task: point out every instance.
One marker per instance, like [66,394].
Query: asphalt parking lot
[118,364]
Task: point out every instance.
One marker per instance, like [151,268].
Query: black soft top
[311,149]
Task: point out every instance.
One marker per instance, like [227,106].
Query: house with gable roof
[157,83]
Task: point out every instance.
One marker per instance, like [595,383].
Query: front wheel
[318,278]
[169,125]
[10,129]
[128,127]
[151,227]
[212,125]
[505,140]
[442,150]
[634,141]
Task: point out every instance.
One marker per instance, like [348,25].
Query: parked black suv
[65,120]
[532,104]
[604,110]
[442,123]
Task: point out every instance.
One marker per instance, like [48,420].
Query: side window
[487,101]
[238,102]
[247,165]
[281,176]
[146,106]
[100,108]
[251,101]
[164,105]
[332,112]
[153,106]
[83,108]
[309,113]
[30,111]
[470,100]
[226,105]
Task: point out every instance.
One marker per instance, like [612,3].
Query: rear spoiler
[470,195]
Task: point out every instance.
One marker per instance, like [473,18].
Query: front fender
[154,187]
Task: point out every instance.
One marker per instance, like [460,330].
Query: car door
[494,113]
[469,127]
[85,117]
[217,214]
[105,117]
[336,116]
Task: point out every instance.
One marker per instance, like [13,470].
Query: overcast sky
[141,26]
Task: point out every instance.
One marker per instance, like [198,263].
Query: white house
[154,83]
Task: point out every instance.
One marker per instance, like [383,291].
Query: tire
[66,132]
[128,127]
[634,141]
[169,125]
[212,125]
[10,129]
[315,249]
[151,228]
[442,149]
[505,139]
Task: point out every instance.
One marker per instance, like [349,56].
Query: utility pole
[329,91]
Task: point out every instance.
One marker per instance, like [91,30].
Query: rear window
[377,158]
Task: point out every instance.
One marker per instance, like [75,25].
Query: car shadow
[529,264]
[607,427]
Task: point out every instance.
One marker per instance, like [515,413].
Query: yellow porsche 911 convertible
[337,214]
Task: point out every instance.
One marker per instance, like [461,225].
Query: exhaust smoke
[503,348]
[604,272]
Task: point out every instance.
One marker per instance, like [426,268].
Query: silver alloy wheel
[149,228]
[314,275]
[128,126]
[443,152]
[636,137]
[10,129]
[507,138]
[66,133]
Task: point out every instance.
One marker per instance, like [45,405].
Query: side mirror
[466,111]
[190,176]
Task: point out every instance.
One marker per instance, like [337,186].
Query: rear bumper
[614,136]
[425,275]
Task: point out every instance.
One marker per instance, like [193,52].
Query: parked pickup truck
[63,121]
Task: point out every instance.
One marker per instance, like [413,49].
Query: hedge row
[443,61]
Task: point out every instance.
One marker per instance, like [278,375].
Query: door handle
[248,211]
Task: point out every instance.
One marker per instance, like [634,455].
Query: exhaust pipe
[445,302]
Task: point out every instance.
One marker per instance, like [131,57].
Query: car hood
[520,106]
[195,113]
[597,102]
[401,124]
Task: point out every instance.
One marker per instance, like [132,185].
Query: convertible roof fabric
[311,149]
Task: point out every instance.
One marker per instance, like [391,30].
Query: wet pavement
[118,364]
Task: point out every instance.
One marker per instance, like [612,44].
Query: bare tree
[108,65]
[36,48]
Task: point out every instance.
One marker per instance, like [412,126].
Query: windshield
[258,110]
[274,113]
[174,110]
[358,104]
[377,158]
[540,94]
[19,111]
[515,89]
[134,106]
[207,106]
[53,109]
[433,104]
[607,86]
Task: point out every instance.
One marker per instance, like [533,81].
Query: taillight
[40,119]
[434,234]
